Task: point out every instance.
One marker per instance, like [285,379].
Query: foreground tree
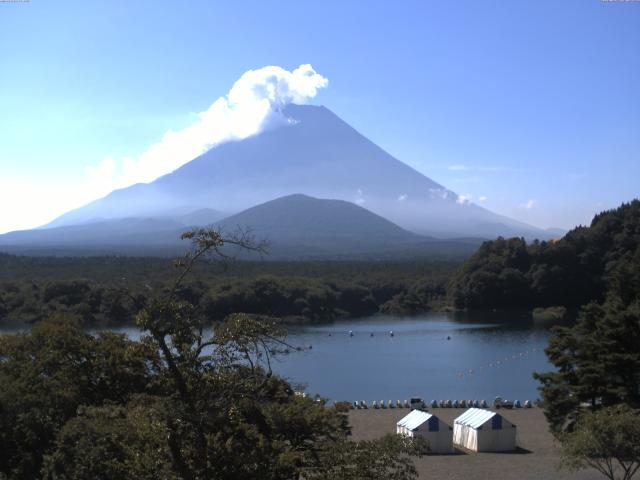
[388,458]
[46,375]
[112,441]
[185,402]
[597,362]
[607,440]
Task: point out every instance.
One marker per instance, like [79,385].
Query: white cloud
[403,197]
[253,104]
[101,177]
[485,168]
[464,199]
[439,193]
[472,179]
[62,193]
[482,198]
[528,205]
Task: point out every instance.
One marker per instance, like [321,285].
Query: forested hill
[580,267]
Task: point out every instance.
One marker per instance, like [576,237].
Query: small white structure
[439,435]
[484,431]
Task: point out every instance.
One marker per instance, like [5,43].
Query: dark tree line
[597,362]
[104,292]
[592,399]
[572,271]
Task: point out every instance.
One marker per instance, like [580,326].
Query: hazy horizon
[530,111]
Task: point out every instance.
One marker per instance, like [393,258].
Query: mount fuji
[314,153]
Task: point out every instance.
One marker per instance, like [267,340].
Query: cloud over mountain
[253,105]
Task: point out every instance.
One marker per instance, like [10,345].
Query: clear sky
[531,108]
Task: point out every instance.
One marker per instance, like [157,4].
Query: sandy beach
[537,457]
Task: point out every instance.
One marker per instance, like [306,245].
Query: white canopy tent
[481,430]
[439,435]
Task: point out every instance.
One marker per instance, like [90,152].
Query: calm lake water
[433,356]
[486,355]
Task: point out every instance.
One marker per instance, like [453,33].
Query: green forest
[504,273]
[105,291]
[579,268]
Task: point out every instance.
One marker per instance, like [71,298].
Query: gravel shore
[536,458]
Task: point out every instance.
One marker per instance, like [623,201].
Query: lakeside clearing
[537,457]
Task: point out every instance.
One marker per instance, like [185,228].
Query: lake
[433,356]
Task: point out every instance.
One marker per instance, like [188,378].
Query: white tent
[484,431]
[439,435]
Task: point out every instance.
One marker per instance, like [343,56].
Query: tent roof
[414,419]
[475,417]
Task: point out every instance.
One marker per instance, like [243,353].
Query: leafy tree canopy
[572,271]
[607,440]
[185,402]
[597,362]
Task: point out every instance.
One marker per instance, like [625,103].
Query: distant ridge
[299,221]
[295,226]
[319,155]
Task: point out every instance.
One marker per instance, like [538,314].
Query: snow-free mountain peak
[317,154]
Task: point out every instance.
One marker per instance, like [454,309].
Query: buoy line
[499,362]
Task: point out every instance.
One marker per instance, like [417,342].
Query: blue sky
[530,108]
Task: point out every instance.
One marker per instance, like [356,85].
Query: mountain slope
[302,222]
[317,154]
[111,235]
[295,227]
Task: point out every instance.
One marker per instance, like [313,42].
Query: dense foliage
[577,269]
[592,399]
[180,403]
[598,359]
[105,290]
[597,362]
[607,440]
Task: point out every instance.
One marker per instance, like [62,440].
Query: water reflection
[435,356]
